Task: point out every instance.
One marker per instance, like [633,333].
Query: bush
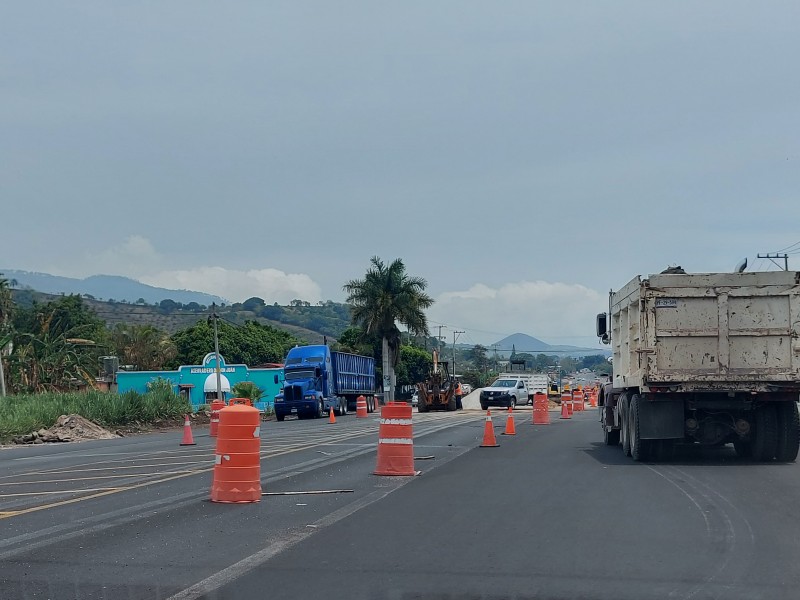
[25,413]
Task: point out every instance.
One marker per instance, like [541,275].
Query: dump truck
[705,358]
[438,391]
[317,380]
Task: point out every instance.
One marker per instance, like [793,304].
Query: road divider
[489,440]
[395,441]
[237,459]
[511,428]
[541,414]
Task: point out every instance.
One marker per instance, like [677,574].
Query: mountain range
[522,342]
[105,287]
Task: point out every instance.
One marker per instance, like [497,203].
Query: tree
[414,366]
[144,346]
[479,358]
[6,301]
[386,296]
[254,304]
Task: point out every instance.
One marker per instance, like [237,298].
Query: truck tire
[320,410]
[422,406]
[765,444]
[343,409]
[640,449]
[484,406]
[611,438]
[625,434]
[280,417]
[451,404]
[788,432]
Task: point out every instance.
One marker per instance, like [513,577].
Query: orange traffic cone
[564,410]
[187,440]
[511,428]
[489,441]
[332,418]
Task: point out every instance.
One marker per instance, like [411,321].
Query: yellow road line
[57,492]
[193,462]
[120,476]
[107,492]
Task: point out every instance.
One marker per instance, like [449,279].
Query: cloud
[272,285]
[553,312]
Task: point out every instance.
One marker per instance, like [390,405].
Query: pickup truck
[506,392]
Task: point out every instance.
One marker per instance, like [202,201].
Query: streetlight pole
[214,318]
[455,335]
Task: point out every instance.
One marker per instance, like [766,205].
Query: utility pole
[455,334]
[439,339]
[2,376]
[776,255]
[214,317]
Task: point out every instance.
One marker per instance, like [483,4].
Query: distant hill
[522,342]
[309,323]
[106,287]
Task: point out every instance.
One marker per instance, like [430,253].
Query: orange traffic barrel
[395,440]
[237,459]
[361,407]
[216,406]
[566,400]
[577,400]
[541,416]
[245,401]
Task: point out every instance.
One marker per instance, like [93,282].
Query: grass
[26,413]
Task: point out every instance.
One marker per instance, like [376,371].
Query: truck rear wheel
[788,432]
[640,449]
[625,434]
[280,417]
[766,440]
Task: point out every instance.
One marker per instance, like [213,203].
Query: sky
[523,157]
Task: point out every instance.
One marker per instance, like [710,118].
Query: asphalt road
[550,514]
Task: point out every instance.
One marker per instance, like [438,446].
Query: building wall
[196,375]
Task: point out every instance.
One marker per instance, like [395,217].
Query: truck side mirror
[602,325]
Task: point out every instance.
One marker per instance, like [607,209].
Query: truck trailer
[317,380]
[706,358]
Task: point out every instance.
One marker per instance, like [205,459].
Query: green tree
[414,366]
[250,343]
[386,296]
[247,389]
[144,346]
[480,358]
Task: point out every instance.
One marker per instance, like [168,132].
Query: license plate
[294,410]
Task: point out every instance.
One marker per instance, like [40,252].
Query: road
[550,514]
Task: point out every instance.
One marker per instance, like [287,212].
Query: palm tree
[386,296]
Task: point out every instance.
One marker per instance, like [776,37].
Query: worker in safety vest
[459,406]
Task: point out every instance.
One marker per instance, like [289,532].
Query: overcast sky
[523,157]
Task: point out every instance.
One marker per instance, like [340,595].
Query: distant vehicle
[708,358]
[505,392]
[317,380]
[466,389]
[415,398]
[535,382]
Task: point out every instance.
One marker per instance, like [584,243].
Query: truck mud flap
[661,420]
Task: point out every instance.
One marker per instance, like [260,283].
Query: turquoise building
[198,383]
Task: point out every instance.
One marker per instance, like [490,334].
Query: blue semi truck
[317,380]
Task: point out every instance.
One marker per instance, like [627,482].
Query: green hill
[307,322]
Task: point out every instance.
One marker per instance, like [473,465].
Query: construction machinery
[438,392]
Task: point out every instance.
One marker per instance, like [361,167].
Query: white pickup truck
[537,383]
[506,392]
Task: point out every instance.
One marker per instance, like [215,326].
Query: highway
[550,514]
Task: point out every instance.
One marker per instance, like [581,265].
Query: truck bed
[711,331]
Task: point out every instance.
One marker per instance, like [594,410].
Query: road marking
[120,476]
[434,428]
[56,492]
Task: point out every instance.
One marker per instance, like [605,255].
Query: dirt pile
[68,428]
